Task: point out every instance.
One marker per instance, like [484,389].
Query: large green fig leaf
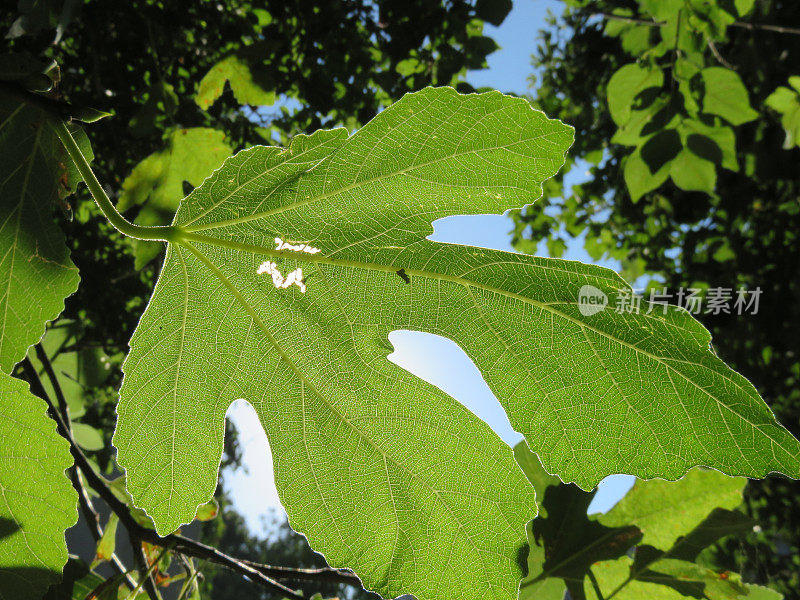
[36,273]
[37,501]
[287,273]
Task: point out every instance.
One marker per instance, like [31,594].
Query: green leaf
[246,89]
[77,582]
[37,503]
[108,542]
[207,511]
[690,172]
[726,96]
[666,510]
[787,102]
[674,570]
[302,334]
[35,172]
[82,369]
[628,89]
[712,143]
[156,183]
[571,542]
[743,7]
[639,178]
[493,11]
[87,437]
[532,468]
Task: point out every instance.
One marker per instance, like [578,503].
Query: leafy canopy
[286,272]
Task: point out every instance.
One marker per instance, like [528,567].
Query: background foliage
[685,115]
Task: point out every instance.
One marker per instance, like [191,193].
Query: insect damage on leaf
[283,245]
[293,278]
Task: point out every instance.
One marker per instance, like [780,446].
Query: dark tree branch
[328,575]
[775,28]
[84,501]
[174,542]
[145,568]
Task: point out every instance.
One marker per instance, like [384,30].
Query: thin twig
[595,585]
[719,56]
[84,501]
[176,542]
[775,28]
[327,575]
[741,24]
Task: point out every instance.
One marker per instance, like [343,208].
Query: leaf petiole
[167,233]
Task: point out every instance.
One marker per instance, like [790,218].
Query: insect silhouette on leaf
[403,275]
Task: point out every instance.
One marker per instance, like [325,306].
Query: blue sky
[435,359]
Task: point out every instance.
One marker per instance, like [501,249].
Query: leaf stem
[595,585]
[140,232]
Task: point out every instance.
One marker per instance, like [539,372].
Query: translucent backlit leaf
[289,270]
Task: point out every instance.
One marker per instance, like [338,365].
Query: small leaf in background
[156,183]
[79,368]
[33,252]
[159,106]
[207,511]
[786,101]
[235,71]
[726,96]
[38,502]
[107,544]
[87,437]
[628,90]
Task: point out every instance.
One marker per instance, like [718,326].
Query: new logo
[591,300]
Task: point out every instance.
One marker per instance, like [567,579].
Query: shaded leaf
[726,96]
[34,173]
[37,503]
[571,541]
[630,82]
[156,183]
[690,172]
[639,178]
[236,72]
[666,510]
[77,582]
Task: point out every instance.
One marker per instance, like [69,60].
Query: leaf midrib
[317,259]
